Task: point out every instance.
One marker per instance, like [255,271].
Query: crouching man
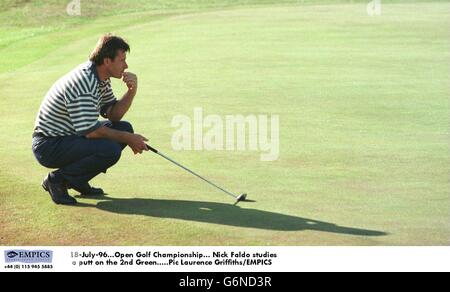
[69,137]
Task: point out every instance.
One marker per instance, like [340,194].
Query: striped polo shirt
[73,104]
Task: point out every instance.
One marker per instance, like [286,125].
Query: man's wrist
[131,93]
[126,136]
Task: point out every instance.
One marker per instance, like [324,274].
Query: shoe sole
[86,194]
[44,187]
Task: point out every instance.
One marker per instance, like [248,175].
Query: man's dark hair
[107,47]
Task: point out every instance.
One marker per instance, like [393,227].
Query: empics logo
[28,256]
[11,254]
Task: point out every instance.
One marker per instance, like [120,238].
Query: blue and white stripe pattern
[73,105]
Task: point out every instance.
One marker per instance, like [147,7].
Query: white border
[289,259]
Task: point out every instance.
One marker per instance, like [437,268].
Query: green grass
[363,106]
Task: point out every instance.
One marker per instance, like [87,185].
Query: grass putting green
[363,109]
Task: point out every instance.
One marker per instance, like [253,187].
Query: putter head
[240,198]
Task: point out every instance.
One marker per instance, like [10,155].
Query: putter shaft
[190,171]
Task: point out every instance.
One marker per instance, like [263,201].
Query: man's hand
[137,143]
[115,113]
[130,80]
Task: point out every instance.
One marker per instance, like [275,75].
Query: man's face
[117,66]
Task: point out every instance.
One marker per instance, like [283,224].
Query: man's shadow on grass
[223,214]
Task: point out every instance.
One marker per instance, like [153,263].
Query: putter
[238,199]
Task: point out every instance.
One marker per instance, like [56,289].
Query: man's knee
[123,126]
[111,154]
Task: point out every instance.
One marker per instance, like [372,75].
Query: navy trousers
[78,159]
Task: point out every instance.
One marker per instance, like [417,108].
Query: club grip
[152,149]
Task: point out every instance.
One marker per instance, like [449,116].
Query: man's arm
[116,112]
[135,141]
